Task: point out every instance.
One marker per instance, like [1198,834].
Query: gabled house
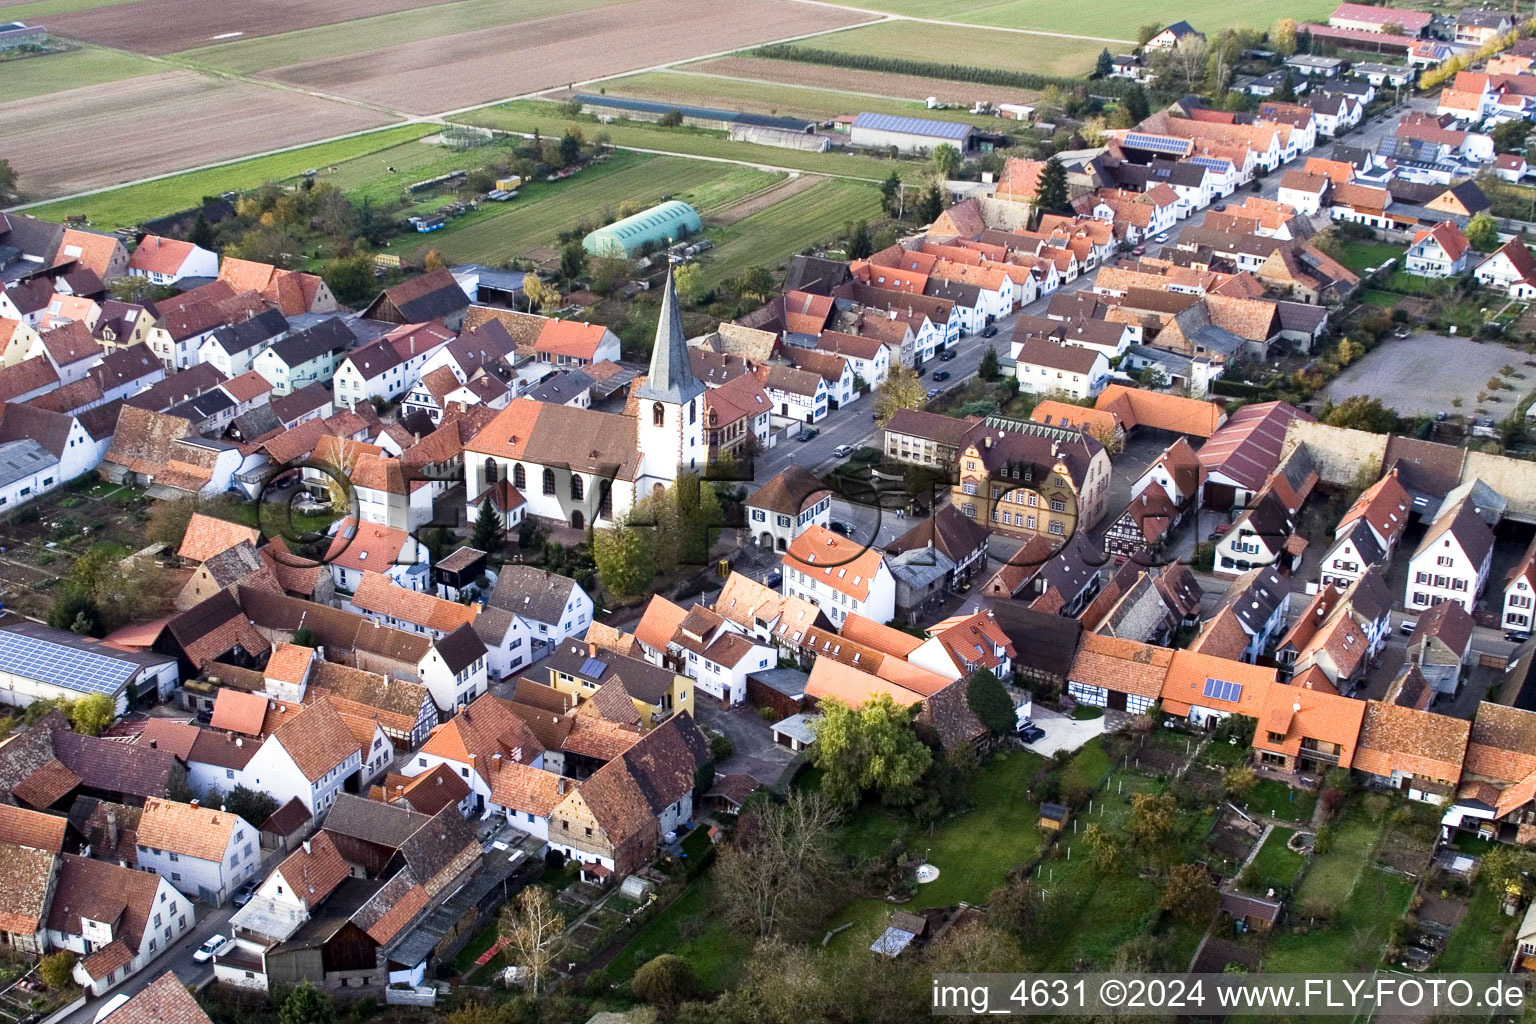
[435,295]
[168,260]
[1418,753]
[785,505]
[205,853]
[472,743]
[305,357]
[839,575]
[1260,601]
[1205,689]
[1440,251]
[1520,595]
[963,644]
[115,919]
[1369,532]
[1306,731]
[233,349]
[1452,561]
[1512,268]
[658,688]
[1264,534]
[1441,645]
[551,607]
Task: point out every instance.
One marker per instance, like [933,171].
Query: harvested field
[1044,55]
[252,56]
[852,83]
[756,204]
[106,143]
[164,26]
[74,69]
[513,60]
[1108,17]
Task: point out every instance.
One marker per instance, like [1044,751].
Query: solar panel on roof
[62,665]
[1210,161]
[912,126]
[1156,143]
[592,668]
[1220,689]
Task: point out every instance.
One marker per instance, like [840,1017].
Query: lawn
[1281,801]
[1373,297]
[1356,940]
[1331,874]
[55,72]
[1109,18]
[133,204]
[707,90]
[527,116]
[1275,862]
[324,42]
[498,232]
[1475,945]
[1043,55]
[689,929]
[1358,255]
[783,229]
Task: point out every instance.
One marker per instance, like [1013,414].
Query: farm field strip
[74,69]
[1046,55]
[1102,17]
[132,204]
[851,82]
[264,53]
[527,116]
[31,10]
[536,218]
[786,227]
[707,89]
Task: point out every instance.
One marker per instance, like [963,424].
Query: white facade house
[204,852]
[1047,368]
[1441,251]
[168,260]
[840,576]
[786,506]
[547,607]
[147,917]
[483,732]
[1452,561]
[798,396]
[1520,596]
[1512,268]
[310,757]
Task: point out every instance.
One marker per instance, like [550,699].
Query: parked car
[941,375]
[1516,636]
[1407,626]
[1162,237]
[1140,250]
[243,894]
[843,450]
[946,355]
[774,579]
[1029,732]
[1401,332]
[933,393]
[217,945]
[806,434]
[991,331]
[839,527]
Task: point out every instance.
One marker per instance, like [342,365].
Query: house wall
[211,881]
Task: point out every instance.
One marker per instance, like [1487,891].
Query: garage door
[1220,497]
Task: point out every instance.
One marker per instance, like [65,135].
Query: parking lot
[1423,374]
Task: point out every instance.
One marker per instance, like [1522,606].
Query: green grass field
[251,56]
[1475,944]
[1275,861]
[1011,51]
[1108,18]
[1281,801]
[498,232]
[133,204]
[757,97]
[1358,255]
[47,8]
[55,72]
[527,115]
[1331,874]
[716,952]
[1355,941]
[786,227]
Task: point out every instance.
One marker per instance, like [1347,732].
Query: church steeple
[671,378]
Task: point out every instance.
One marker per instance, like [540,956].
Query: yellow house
[1031,484]
[583,670]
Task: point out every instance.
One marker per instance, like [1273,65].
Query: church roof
[671,379]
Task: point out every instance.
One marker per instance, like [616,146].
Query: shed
[780,689]
[662,224]
[904,930]
[1053,816]
[1256,913]
[796,732]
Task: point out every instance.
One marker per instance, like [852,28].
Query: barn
[909,134]
[662,224]
[621,107]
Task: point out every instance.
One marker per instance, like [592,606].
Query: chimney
[560,785]
[154,744]
[195,803]
[112,829]
[496,757]
[306,846]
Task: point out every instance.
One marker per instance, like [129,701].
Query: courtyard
[1424,374]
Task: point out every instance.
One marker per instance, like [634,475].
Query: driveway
[754,752]
[1062,732]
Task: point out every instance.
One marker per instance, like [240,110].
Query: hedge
[933,69]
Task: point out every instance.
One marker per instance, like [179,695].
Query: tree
[1018,907]
[1506,869]
[57,969]
[1361,412]
[1051,194]
[202,232]
[665,981]
[989,701]
[305,637]
[1510,136]
[570,146]
[901,389]
[930,204]
[535,933]
[1483,232]
[947,160]
[7,177]
[1154,819]
[870,747]
[671,119]
[1239,781]
[1108,848]
[541,296]
[689,281]
[890,195]
[1183,67]
[254,805]
[92,713]
[989,368]
[433,260]
[857,238]
[351,280]
[334,211]
[1104,65]
[625,557]
[489,532]
[306,1005]
[1282,37]
[168,521]
[1146,32]
[771,879]
[573,260]
[1190,895]
[1287,91]
[1136,104]
[755,283]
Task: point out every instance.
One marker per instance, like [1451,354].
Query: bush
[665,981]
[57,969]
[720,747]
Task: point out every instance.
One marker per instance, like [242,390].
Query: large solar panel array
[1214,162]
[593,668]
[1157,143]
[912,125]
[1223,690]
[60,665]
